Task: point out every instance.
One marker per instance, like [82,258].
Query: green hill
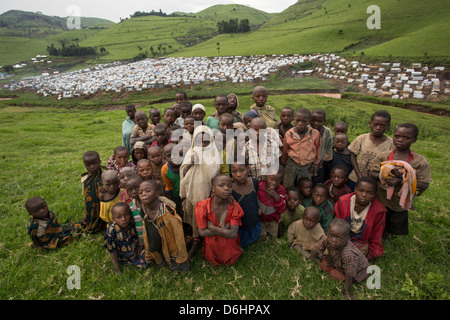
[235,11]
[409,28]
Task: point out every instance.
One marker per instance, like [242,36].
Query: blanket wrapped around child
[389,169]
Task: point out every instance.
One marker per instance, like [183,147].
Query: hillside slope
[408,28]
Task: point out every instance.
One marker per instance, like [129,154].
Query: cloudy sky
[115,9]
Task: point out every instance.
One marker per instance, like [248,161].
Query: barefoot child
[92,182]
[163,230]
[401,172]
[44,228]
[294,210]
[218,221]
[245,192]
[344,262]
[110,195]
[304,234]
[121,239]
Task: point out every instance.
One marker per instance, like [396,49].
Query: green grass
[41,156]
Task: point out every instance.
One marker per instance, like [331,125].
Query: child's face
[317,121]
[124,175]
[319,196]
[161,137]
[177,108]
[310,217]
[274,181]
[286,117]
[111,186]
[239,172]
[247,121]
[222,187]
[141,120]
[403,138]
[365,193]
[139,154]
[189,125]
[306,188]
[232,103]
[301,122]
[221,105]
[340,142]
[260,98]
[336,237]
[199,114]
[145,170]
[169,117]
[338,178]
[179,97]
[92,164]
[121,157]
[131,112]
[155,156]
[378,126]
[121,216]
[155,116]
[225,124]
[293,200]
[39,210]
[148,193]
[132,187]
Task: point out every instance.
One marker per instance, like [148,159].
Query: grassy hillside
[408,28]
[235,11]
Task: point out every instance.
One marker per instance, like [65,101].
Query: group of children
[333,200]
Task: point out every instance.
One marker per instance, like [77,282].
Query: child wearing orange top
[218,221]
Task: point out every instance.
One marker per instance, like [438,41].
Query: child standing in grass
[285,123]
[169,116]
[245,192]
[305,233]
[155,116]
[123,177]
[343,262]
[155,155]
[92,182]
[403,175]
[121,239]
[110,195]
[44,228]
[161,134]
[198,111]
[302,146]
[272,202]
[367,146]
[319,199]
[143,131]
[128,126]
[170,174]
[163,230]
[233,105]
[318,118]
[185,109]
[294,210]
[218,220]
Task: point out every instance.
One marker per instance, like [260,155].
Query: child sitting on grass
[109,195]
[121,239]
[304,234]
[245,192]
[343,262]
[401,172]
[163,230]
[218,220]
[294,210]
[319,199]
[272,202]
[337,184]
[44,228]
[120,159]
[366,215]
[92,182]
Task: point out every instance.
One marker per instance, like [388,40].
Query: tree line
[74,50]
[233,26]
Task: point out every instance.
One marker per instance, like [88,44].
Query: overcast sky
[115,9]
